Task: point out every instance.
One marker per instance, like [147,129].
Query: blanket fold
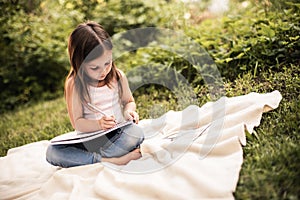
[196,164]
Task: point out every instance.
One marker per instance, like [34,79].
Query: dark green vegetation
[256,49]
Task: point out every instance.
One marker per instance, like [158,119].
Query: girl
[94,79]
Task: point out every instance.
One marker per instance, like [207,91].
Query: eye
[107,63]
[94,67]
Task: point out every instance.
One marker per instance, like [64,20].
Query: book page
[77,137]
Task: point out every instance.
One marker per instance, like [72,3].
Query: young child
[94,79]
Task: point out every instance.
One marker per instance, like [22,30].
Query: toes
[137,150]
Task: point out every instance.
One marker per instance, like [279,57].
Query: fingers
[107,122]
[110,118]
[128,115]
[135,117]
[132,115]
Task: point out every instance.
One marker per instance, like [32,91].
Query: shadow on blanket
[196,164]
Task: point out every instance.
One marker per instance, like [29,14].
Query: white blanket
[191,166]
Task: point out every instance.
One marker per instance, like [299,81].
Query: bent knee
[55,155]
[132,137]
[135,132]
[51,155]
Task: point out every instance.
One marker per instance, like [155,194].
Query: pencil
[96,108]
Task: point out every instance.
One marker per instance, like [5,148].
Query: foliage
[238,43]
[33,52]
[121,15]
[253,42]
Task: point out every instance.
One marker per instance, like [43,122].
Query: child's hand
[131,115]
[107,122]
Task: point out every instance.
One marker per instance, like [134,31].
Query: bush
[34,60]
[252,42]
[121,15]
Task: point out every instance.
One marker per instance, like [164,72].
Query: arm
[75,111]
[128,100]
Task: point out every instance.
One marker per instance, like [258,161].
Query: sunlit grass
[40,121]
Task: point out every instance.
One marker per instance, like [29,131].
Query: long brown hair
[87,42]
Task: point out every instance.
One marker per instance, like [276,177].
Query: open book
[78,137]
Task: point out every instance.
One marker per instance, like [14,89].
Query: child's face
[98,68]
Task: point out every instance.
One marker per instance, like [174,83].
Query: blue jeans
[114,144]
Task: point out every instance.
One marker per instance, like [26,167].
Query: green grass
[272,159]
[271,156]
[33,123]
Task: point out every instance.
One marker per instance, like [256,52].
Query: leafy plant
[241,43]
[34,60]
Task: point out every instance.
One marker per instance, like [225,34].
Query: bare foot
[123,160]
